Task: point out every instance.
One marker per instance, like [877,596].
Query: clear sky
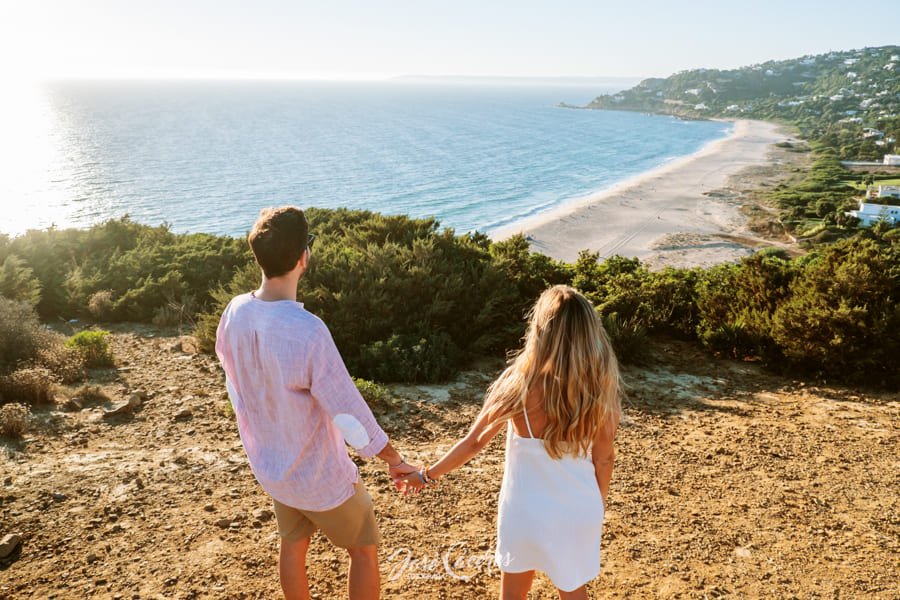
[42,39]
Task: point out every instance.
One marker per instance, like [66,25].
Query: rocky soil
[729,482]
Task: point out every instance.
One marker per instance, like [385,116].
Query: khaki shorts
[349,525]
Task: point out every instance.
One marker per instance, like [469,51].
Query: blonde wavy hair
[568,353]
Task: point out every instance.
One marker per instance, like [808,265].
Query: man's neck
[278,288]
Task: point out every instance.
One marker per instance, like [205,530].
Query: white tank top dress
[551,513]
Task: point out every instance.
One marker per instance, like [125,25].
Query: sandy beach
[683,213]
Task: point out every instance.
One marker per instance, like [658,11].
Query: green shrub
[403,301]
[371,392]
[378,397]
[17,281]
[13,420]
[842,319]
[141,267]
[735,304]
[730,339]
[94,347]
[408,359]
[629,339]
[652,302]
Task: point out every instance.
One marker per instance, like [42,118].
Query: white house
[892,160]
[870,213]
[883,191]
[869,132]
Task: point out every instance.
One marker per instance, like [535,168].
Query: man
[295,406]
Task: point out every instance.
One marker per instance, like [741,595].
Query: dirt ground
[729,482]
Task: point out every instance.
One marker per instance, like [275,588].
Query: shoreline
[677,214]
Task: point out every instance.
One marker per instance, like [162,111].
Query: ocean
[206,156]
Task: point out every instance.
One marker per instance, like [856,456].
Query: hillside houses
[870,213]
[847,96]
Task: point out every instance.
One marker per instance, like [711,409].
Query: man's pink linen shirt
[287,382]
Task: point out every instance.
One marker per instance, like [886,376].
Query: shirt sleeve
[334,390]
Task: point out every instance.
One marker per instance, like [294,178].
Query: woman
[559,399]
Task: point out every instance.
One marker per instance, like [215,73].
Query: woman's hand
[410,482]
[399,471]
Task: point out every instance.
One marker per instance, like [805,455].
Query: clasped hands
[408,478]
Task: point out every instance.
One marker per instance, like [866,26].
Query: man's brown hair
[278,239]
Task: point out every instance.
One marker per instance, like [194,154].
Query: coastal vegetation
[409,301]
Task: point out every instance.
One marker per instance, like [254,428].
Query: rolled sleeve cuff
[379,441]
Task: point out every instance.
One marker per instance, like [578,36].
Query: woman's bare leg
[515,586]
[579,594]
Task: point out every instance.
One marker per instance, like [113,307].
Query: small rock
[9,543]
[209,508]
[129,406]
[74,404]
[189,344]
[92,558]
[8,481]
[59,497]
[263,514]
[742,552]
[223,523]
[183,414]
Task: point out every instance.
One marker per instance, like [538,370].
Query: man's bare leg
[365,580]
[292,569]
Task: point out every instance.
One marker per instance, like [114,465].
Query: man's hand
[398,471]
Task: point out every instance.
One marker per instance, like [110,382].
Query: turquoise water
[207,156]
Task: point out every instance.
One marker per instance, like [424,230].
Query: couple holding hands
[297,409]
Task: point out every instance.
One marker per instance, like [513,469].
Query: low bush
[66,363]
[378,397]
[408,359]
[93,347]
[32,386]
[22,336]
[629,339]
[13,420]
[100,305]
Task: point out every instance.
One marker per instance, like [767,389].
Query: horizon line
[348,77]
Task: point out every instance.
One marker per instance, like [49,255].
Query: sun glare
[29,190]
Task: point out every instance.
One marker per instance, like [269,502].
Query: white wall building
[892,160]
[870,213]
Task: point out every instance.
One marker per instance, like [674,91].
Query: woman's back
[551,511]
